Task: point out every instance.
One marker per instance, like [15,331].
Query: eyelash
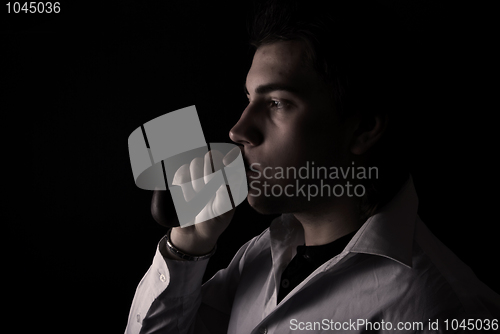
[274,104]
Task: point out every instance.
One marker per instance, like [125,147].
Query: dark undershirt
[307,260]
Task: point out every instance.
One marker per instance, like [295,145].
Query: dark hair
[359,49]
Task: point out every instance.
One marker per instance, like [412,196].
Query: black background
[79,82]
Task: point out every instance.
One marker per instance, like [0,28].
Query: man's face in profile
[290,120]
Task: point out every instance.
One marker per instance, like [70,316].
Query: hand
[201,237]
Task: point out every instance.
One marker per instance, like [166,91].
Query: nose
[247,130]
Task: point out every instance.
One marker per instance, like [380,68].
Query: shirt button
[307,257]
[263,330]
[163,278]
[285,283]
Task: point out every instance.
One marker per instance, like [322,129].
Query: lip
[252,169]
[246,162]
[251,172]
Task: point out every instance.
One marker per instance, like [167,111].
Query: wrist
[190,244]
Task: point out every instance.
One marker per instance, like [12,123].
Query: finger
[182,175]
[208,168]
[217,159]
[212,159]
[196,170]
[207,212]
[221,203]
[182,178]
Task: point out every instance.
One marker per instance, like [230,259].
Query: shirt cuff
[182,277]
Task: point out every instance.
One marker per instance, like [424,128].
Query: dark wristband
[183,255]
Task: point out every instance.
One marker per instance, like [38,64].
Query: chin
[269,205]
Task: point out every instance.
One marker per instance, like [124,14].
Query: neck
[327,222]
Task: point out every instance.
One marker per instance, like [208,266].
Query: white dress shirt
[394,276]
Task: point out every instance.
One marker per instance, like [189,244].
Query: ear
[369,131]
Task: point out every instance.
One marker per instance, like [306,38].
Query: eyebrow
[264,89]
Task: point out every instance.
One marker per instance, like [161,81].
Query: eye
[276,104]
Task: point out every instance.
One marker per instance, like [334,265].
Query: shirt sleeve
[171,299]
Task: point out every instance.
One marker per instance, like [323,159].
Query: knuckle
[182,175]
[196,168]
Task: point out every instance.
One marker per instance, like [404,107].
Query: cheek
[302,137]
[321,142]
[313,129]
[291,148]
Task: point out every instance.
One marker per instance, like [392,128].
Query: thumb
[231,155]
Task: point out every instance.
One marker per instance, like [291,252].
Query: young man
[349,252]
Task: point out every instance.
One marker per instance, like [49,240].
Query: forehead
[283,62]
[282,54]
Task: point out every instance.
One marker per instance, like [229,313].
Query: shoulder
[445,283]
[254,247]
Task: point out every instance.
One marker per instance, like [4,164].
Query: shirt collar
[387,233]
